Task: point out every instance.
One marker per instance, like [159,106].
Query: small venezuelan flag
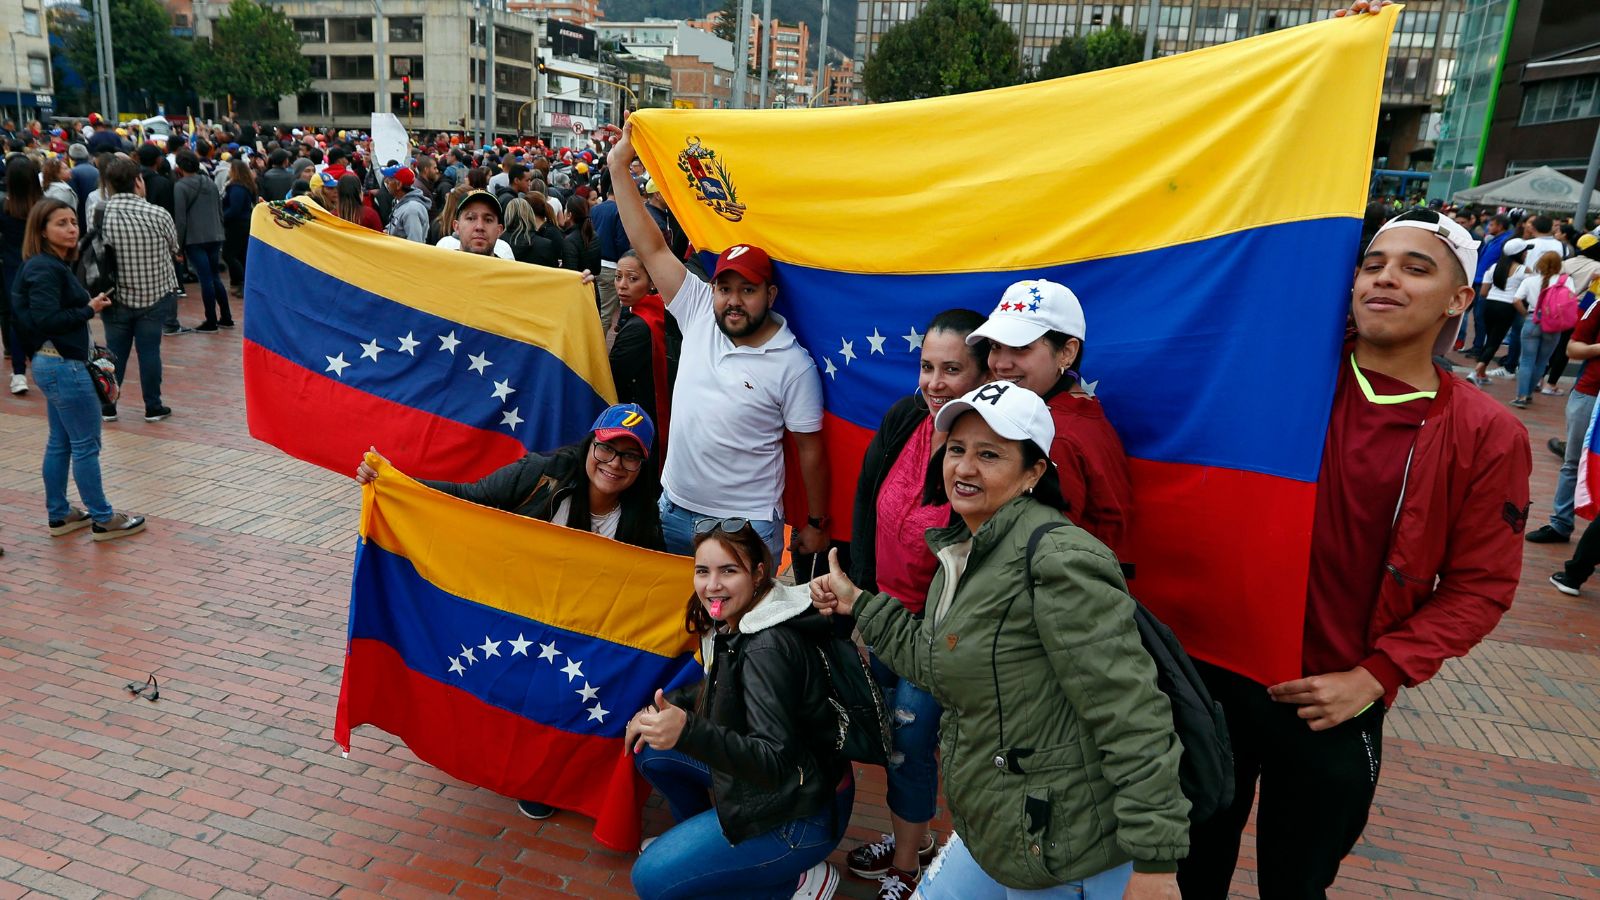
[508,652]
[1204,207]
[452,364]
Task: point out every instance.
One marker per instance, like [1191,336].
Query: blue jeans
[1514,345]
[1537,348]
[677,528]
[207,261]
[693,859]
[1580,407]
[73,409]
[913,770]
[955,875]
[139,329]
[1479,335]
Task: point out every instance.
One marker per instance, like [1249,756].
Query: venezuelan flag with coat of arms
[508,652]
[452,364]
[1205,208]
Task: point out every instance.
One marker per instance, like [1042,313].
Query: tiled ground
[231,786]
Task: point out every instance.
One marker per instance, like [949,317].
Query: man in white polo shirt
[743,382]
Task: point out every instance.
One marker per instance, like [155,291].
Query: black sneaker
[108,412]
[76,519]
[225,323]
[157,414]
[1546,535]
[1559,579]
[1558,447]
[119,525]
[535,810]
[169,332]
[206,328]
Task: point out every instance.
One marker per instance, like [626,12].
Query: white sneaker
[19,384]
[1499,372]
[817,883]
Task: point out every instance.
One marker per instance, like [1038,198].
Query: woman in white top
[1538,345]
[1499,313]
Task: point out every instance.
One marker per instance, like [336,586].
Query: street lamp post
[1590,175]
[1150,29]
[15,76]
[108,63]
[380,28]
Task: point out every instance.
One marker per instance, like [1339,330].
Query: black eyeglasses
[729,526]
[605,453]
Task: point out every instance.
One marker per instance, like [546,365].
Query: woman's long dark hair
[578,209]
[748,548]
[350,205]
[1502,269]
[22,187]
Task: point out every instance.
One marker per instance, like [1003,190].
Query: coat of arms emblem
[709,178]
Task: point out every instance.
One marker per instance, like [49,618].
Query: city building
[574,12]
[1422,61]
[1527,94]
[838,81]
[709,25]
[650,80]
[659,38]
[697,84]
[577,92]
[790,46]
[27,91]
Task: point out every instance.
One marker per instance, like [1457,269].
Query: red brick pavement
[230,785]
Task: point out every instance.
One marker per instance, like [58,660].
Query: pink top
[905,564]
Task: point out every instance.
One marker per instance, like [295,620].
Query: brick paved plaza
[230,785]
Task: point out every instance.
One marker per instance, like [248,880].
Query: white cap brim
[1008,331]
[1001,425]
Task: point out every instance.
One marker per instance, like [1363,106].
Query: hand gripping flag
[508,652]
[1204,207]
[452,364]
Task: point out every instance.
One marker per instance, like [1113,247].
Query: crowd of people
[987,569]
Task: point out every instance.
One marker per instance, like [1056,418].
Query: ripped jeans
[913,793]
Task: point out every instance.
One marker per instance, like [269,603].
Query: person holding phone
[54,311]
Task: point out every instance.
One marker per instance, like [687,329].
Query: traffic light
[543,69]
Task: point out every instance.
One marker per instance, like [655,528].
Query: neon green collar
[1385,399]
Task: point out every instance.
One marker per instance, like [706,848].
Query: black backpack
[864,731]
[97,259]
[1205,771]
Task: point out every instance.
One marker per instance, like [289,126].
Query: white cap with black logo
[1013,411]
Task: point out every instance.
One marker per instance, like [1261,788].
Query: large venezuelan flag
[451,364]
[508,652]
[1205,207]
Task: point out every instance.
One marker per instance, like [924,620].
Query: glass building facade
[1466,108]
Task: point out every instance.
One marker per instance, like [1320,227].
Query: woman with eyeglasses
[600,484]
[746,758]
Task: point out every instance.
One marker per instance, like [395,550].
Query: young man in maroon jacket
[1415,554]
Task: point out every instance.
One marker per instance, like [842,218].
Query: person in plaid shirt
[145,243]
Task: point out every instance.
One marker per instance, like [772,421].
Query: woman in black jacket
[583,245]
[889,550]
[53,313]
[528,242]
[747,758]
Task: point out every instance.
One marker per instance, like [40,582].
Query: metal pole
[1590,175]
[380,29]
[741,56]
[109,73]
[822,52]
[1150,29]
[766,50]
[488,78]
[21,123]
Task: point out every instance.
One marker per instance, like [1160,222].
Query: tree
[727,24]
[152,65]
[951,47]
[254,54]
[1112,46]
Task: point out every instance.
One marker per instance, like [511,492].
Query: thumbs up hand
[658,727]
[834,592]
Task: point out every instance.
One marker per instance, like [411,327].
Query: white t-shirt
[731,406]
[1532,286]
[1538,247]
[501,248]
[498,181]
[1509,292]
[603,525]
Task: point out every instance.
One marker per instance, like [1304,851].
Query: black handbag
[102,367]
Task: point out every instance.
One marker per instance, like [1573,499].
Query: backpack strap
[1011,758]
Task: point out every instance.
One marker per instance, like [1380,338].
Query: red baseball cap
[748,260]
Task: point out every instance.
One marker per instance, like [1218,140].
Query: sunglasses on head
[732,525]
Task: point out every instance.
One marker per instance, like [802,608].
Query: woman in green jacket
[1060,760]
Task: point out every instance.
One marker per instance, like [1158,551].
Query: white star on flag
[336,365]
[519,645]
[480,361]
[371,351]
[548,652]
[407,345]
[467,654]
[876,340]
[503,389]
[588,693]
[457,667]
[849,351]
[490,648]
[448,342]
[1089,386]
[830,368]
[511,418]
[913,340]
[598,713]
[573,668]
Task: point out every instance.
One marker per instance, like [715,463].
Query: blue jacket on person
[608,228]
[1490,255]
